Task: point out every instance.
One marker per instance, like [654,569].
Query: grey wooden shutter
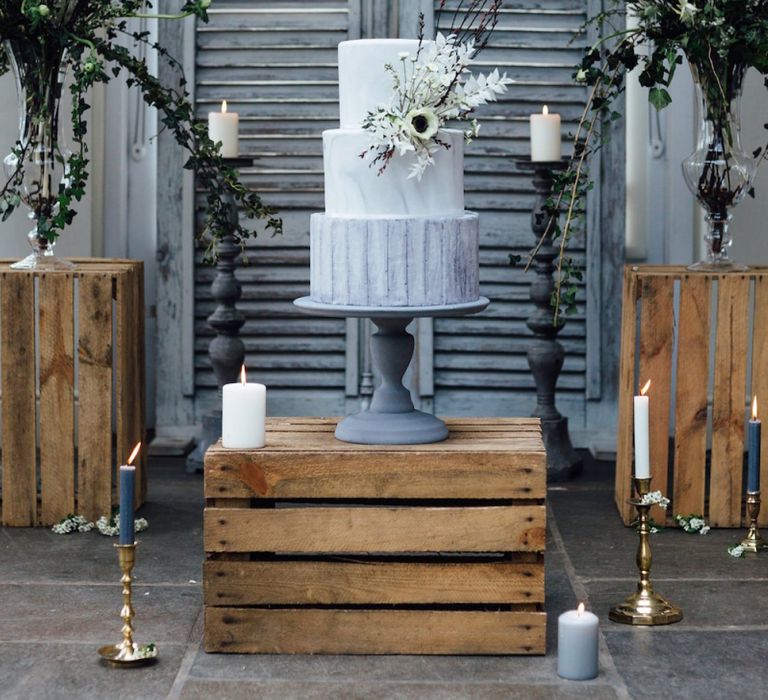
[480,365]
[274,61]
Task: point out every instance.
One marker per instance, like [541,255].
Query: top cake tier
[364,84]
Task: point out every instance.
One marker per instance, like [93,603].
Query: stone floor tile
[204,690]
[704,604]
[68,613]
[53,670]
[721,665]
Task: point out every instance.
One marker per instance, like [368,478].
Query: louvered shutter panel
[274,61]
[480,361]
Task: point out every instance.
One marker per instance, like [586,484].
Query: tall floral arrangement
[720,39]
[46,39]
[434,86]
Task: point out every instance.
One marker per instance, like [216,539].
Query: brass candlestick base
[127,652]
[753,542]
[644,607]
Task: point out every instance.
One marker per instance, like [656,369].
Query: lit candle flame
[754,408]
[223,106]
[580,609]
[545,109]
[645,388]
[242,375]
[134,453]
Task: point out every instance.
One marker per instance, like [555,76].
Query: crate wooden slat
[84,382]
[57,389]
[18,386]
[670,311]
[349,582]
[318,546]
[317,631]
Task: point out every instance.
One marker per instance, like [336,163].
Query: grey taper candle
[127,486]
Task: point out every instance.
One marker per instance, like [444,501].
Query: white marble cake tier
[354,188]
[364,84]
[391,262]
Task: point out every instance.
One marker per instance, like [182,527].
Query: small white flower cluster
[147,651]
[655,498]
[430,88]
[111,526]
[736,550]
[692,523]
[72,523]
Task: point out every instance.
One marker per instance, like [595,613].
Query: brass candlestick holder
[753,542]
[644,607]
[127,652]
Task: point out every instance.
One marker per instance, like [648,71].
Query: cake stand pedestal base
[391,418]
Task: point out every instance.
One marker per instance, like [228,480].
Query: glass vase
[37,165]
[719,172]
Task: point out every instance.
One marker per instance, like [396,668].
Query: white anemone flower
[422,123]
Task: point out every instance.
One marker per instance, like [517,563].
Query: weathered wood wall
[276,65]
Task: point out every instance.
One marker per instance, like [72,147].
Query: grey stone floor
[59,602]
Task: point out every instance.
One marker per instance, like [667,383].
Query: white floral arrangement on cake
[431,88]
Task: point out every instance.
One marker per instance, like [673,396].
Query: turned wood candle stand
[545,353]
[226,350]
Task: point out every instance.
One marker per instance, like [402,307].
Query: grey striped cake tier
[394,261]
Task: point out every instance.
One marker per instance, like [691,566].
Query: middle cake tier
[394,261]
[355,188]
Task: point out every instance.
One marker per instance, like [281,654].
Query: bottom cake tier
[389,262]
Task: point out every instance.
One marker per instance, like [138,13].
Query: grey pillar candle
[577,645]
[753,445]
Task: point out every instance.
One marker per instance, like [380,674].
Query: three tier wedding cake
[390,236]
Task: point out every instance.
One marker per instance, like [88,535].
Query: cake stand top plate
[340,311]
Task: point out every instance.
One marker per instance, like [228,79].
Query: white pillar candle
[642,446]
[243,414]
[545,136]
[577,645]
[223,127]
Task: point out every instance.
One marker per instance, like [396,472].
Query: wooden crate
[72,373]
[319,546]
[707,322]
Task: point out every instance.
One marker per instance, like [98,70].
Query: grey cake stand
[391,418]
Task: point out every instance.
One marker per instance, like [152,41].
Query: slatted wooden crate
[318,546]
[72,373]
[690,333]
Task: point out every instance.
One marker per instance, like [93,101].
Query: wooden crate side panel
[17,314]
[760,374]
[140,406]
[729,399]
[248,630]
[691,399]
[94,497]
[657,337]
[130,373]
[376,529]
[232,474]
[57,400]
[231,583]
[624,451]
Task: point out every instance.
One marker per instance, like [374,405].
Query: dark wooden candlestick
[226,350]
[545,353]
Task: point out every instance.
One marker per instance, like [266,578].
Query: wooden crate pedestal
[61,447]
[676,325]
[318,546]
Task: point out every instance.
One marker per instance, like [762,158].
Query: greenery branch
[82,37]
[719,38]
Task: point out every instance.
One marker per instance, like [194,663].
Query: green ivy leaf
[659,98]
